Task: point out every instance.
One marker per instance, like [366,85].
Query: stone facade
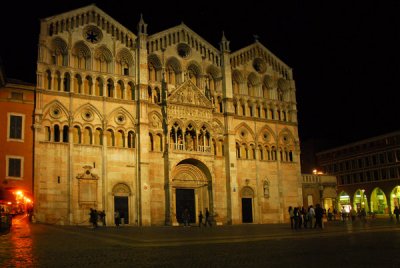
[152,124]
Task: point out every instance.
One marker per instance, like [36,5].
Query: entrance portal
[185,199]
[247,210]
[121,204]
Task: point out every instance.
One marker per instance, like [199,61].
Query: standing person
[116,218]
[396,212]
[102,215]
[296,217]
[122,218]
[291,215]
[200,219]
[207,221]
[319,213]
[93,217]
[185,217]
[311,215]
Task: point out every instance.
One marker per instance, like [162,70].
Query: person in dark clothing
[93,217]
[200,219]
[102,216]
[208,220]
[396,212]
[319,212]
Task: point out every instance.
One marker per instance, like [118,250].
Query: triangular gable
[189,94]
[89,10]
[183,28]
[257,50]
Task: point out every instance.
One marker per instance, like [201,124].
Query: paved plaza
[373,244]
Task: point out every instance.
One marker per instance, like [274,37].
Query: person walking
[200,219]
[396,212]
[207,220]
[93,217]
[185,217]
[102,216]
[117,218]
[319,213]
[291,215]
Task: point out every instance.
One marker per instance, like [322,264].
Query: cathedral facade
[152,125]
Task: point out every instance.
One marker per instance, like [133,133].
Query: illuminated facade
[152,124]
[16,142]
[368,173]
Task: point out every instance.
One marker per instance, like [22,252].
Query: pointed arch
[81,55]
[59,53]
[118,111]
[88,107]
[239,133]
[51,108]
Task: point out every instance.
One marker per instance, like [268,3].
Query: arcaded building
[368,173]
[153,124]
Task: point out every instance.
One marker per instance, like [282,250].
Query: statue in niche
[266,189]
[189,142]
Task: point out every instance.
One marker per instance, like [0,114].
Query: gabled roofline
[91,7]
[181,26]
[255,44]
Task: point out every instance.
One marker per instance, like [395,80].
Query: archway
[394,198]
[379,202]
[344,202]
[121,193]
[247,204]
[191,189]
[360,201]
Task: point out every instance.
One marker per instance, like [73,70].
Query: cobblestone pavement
[374,244]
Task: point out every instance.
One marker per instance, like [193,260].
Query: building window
[16,126]
[17,96]
[14,167]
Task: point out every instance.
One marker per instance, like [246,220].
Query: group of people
[307,218]
[207,218]
[95,216]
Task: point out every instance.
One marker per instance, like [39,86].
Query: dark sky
[345,55]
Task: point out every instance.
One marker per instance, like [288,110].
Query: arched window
[159,143]
[87,135]
[151,143]
[120,90]
[78,84]
[110,88]
[65,133]
[98,136]
[88,86]
[130,92]
[67,82]
[47,134]
[131,139]
[110,138]
[261,152]
[98,87]
[48,79]
[56,133]
[120,139]
[238,151]
[77,134]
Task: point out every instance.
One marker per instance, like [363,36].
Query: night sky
[345,55]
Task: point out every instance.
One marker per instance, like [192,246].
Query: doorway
[247,210]
[185,199]
[121,204]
